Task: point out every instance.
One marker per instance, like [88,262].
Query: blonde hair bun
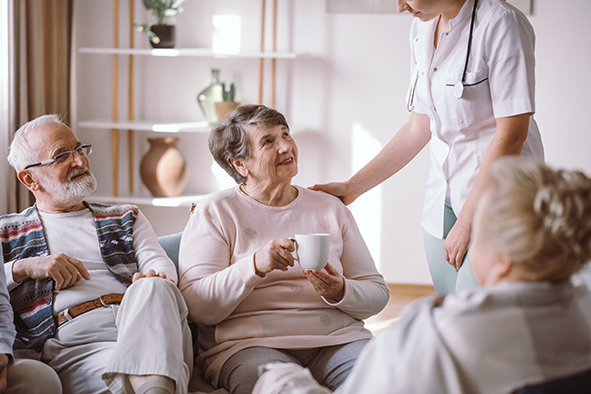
[541,217]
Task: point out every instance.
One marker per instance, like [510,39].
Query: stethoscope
[458,86]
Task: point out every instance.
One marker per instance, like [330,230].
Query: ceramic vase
[213,93]
[163,168]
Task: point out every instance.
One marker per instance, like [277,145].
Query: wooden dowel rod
[130,104]
[261,61]
[274,61]
[115,104]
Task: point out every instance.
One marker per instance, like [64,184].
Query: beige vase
[163,168]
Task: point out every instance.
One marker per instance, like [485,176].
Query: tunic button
[435,69]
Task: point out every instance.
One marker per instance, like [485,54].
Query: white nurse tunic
[499,83]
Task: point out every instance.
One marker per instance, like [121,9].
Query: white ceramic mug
[312,250]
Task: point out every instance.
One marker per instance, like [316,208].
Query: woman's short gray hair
[540,217]
[20,153]
[228,140]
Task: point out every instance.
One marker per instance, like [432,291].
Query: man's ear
[240,167]
[27,179]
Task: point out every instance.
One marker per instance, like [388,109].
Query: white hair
[20,152]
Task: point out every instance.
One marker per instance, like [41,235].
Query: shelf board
[186,52]
[180,201]
[144,125]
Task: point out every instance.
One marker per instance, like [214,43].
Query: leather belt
[101,302]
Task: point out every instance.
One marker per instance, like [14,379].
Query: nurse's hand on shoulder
[456,244]
[342,190]
[276,255]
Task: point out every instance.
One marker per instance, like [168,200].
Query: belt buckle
[103,302]
[67,314]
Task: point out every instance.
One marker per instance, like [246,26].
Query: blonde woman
[526,325]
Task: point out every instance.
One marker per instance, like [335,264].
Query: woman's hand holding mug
[276,255]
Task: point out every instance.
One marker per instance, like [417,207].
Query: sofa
[171,243]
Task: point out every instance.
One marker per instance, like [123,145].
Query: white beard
[72,192]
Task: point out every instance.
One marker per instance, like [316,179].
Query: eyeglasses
[82,150]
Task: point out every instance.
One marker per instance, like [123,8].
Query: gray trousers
[146,335]
[445,278]
[329,365]
[31,377]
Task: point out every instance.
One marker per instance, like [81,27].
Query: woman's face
[274,155]
[425,10]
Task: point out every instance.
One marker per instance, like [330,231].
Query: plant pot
[163,168]
[166,34]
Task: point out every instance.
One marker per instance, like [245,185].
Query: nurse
[472,97]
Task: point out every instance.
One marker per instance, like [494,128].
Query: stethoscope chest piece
[459,89]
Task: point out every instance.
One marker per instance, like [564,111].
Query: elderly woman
[528,324]
[237,272]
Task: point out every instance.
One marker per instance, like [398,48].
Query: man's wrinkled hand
[150,274]
[63,269]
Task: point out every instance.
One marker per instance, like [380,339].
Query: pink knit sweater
[236,308]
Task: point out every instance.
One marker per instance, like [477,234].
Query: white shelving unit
[146,125]
[180,201]
[188,52]
[130,125]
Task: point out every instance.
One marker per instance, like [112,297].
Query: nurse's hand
[342,190]
[456,244]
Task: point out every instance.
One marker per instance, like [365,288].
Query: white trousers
[147,334]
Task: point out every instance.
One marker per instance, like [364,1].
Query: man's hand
[63,269]
[330,284]
[150,274]
[3,372]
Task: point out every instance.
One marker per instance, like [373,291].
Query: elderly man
[94,294]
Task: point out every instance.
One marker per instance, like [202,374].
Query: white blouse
[499,83]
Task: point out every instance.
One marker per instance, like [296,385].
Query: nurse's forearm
[400,150]
[508,140]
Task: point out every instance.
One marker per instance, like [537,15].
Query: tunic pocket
[475,105]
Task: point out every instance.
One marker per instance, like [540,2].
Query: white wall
[349,89]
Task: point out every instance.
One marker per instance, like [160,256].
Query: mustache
[78,171]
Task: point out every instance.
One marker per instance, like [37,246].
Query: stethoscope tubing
[468,84]
[472,18]
[459,92]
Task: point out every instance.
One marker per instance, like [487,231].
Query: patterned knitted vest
[22,236]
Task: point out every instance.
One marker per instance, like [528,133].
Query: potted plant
[161,33]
